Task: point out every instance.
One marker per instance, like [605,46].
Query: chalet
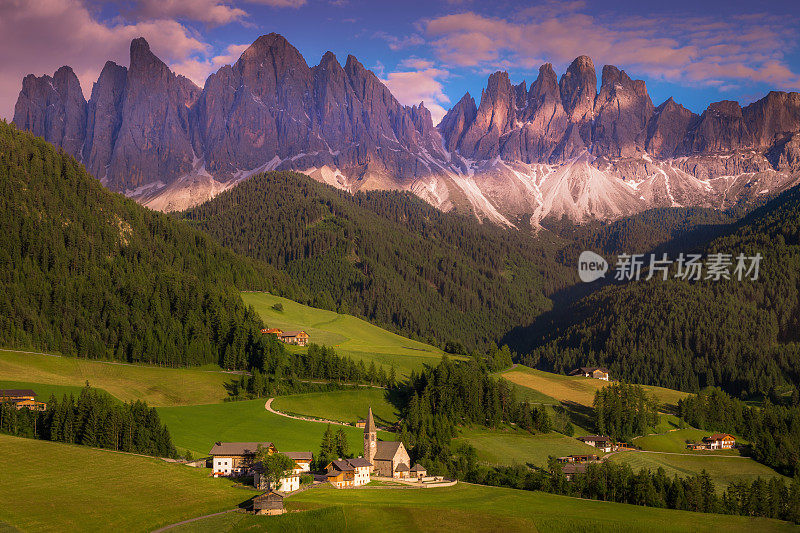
[22,399]
[272,331]
[595,372]
[346,473]
[288,483]
[269,503]
[302,461]
[719,441]
[235,458]
[600,442]
[388,458]
[571,470]
[418,471]
[300,338]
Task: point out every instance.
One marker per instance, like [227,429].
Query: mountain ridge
[561,147]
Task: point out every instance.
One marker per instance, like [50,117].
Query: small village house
[269,503]
[299,338]
[347,473]
[717,441]
[600,442]
[22,399]
[361,423]
[291,481]
[595,372]
[235,458]
[388,458]
[572,470]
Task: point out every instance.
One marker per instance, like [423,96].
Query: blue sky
[435,50]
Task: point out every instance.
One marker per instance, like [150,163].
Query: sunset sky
[433,50]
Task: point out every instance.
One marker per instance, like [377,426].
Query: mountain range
[559,148]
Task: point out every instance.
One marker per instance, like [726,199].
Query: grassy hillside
[675,442]
[349,335]
[575,389]
[74,488]
[470,508]
[87,272]
[43,391]
[198,427]
[344,406]
[722,469]
[155,385]
[513,447]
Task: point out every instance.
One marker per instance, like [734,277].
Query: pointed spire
[369,427]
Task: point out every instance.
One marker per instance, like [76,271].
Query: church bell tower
[370,438]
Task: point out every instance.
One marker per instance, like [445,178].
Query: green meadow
[343,405]
[675,442]
[196,428]
[349,335]
[722,468]
[512,446]
[49,486]
[155,385]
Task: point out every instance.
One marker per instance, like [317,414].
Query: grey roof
[573,469]
[359,462]
[385,450]
[418,468]
[402,467]
[342,465]
[237,448]
[299,456]
[17,392]
[369,427]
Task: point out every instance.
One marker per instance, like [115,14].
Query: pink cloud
[415,86]
[211,12]
[696,50]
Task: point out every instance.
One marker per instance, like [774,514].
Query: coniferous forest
[740,335]
[87,272]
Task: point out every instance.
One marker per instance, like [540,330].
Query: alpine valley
[559,148]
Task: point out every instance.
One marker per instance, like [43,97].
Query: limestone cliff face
[53,108]
[556,147]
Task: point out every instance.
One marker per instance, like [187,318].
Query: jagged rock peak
[579,88]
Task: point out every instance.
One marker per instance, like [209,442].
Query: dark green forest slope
[741,335]
[390,257]
[87,272]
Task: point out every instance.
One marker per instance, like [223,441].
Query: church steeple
[370,437]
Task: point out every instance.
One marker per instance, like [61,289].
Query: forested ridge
[389,257]
[87,272]
[740,335]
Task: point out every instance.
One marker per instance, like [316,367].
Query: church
[389,459]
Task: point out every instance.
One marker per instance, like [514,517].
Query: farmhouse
[719,441]
[595,372]
[571,470]
[300,338]
[598,441]
[302,461]
[269,503]
[235,458]
[345,473]
[389,459]
[272,331]
[22,399]
[288,483]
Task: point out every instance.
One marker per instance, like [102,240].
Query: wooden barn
[269,503]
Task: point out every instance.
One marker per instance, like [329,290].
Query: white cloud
[424,85]
[399,43]
[198,69]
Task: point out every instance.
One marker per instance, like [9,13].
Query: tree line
[92,419]
[624,410]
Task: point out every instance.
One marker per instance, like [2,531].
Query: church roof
[418,468]
[402,467]
[369,427]
[385,450]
